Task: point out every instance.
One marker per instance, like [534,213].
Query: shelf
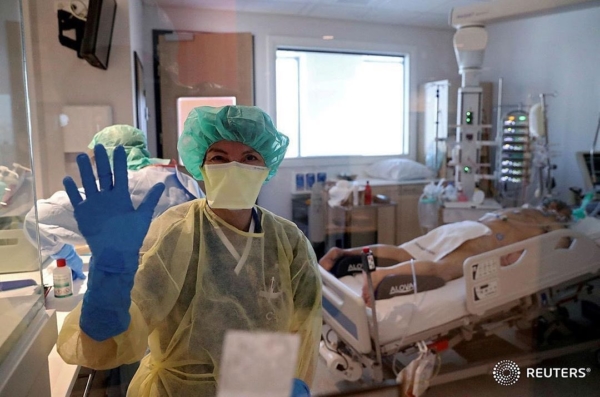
[362,206]
[474,126]
[332,229]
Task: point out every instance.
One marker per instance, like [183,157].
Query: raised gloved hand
[73,260]
[114,231]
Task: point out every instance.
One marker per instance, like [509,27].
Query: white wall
[136,29]
[430,51]
[9,14]
[63,79]
[9,11]
[14,116]
[554,53]
[136,25]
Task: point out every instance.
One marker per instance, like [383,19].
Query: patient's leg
[384,253]
[421,268]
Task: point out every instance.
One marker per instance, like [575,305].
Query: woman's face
[228,151]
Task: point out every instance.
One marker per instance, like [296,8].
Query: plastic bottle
[63,279]
[428,209]
[368,194]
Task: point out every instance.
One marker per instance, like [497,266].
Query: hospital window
[341,104]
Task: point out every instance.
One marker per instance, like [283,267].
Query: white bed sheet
[406,315]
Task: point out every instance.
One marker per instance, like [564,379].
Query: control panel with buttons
[486,290]
[485,269]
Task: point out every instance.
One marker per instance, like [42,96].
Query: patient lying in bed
[438,256]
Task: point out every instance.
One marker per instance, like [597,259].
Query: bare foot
[329,259]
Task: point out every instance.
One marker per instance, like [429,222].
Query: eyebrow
[225,152]
[216,150]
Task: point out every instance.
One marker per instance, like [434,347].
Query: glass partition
[21,287]
[165,54]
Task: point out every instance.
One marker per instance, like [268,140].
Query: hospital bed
[487,300]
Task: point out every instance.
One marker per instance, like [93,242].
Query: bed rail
[346,313]
[543,264]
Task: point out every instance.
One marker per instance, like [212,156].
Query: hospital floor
[327,384]
[485,349]
[578,330]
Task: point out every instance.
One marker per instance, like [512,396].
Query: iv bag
[536,121]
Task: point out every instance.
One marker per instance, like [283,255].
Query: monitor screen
[97,37]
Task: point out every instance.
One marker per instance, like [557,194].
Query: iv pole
[470,41]
[548,184]
[437,127]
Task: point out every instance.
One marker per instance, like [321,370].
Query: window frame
[275,43]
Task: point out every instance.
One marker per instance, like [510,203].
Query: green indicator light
[469,117]
[522,118]
[467,169]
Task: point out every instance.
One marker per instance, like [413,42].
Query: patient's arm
[383,251]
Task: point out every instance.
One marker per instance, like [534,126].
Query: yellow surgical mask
[233,185]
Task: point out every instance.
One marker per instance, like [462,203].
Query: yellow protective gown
[190,289]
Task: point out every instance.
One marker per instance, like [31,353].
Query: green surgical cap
[132,139]
[249,125]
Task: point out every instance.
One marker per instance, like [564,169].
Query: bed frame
[496,298]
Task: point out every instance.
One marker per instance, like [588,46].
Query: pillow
[589,226]
[398,170]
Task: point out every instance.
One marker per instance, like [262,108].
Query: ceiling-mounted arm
[480,14]
[470,41]
[470,38]
[469,47]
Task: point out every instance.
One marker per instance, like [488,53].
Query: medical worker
[205,267]
[59,234]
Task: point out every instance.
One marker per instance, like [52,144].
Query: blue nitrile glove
[114,231]
[300,388]
[73,260]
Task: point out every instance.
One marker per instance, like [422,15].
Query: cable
[415,306]
[79,13]
[337,351]
[327,337]
[412,267]
[592,156]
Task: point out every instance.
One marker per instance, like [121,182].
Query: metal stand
[368,267]
[88,385]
